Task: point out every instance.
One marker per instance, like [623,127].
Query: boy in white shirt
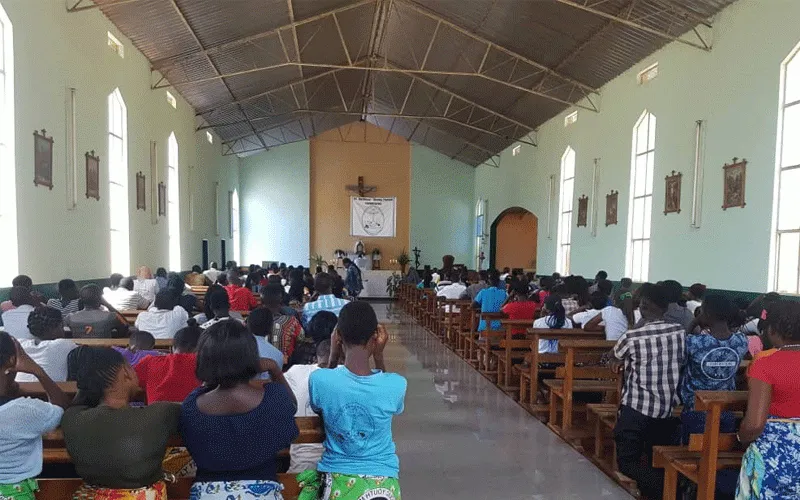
[306,456]
[48,348]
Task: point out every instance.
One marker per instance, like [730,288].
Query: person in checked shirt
[652,356]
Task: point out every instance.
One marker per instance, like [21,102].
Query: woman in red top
[172,377]
[519,305]
[771,424]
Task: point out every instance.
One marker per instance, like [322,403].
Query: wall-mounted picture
[734,176]
[612,202]
[140,192]
[672,190]
[162,199]
[43,159]
[92,175]
[583,210]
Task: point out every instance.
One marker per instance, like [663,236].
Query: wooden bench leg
[670,483]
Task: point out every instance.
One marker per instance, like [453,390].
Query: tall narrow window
[565,211]
[235,224]
[8,195]
[786,251]
[118,184]
[173,204]
[640,211]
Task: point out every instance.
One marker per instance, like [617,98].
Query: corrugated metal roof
[465,78]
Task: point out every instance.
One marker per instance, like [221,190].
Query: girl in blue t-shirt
[357,404]
[712,359]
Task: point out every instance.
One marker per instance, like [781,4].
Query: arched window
[640,209]
[9,255]
[565,211]
[786,210]
[235,224]
[173,204]
[118,183]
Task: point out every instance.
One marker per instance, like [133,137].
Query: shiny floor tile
[462,438]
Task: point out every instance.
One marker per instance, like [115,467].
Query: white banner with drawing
[373,217]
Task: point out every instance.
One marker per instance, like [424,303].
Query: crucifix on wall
[360,188]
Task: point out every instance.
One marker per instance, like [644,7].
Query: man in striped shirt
[326,301]
[653,356]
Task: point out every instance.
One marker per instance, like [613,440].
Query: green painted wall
[735,90]
[442,209]
[53,51]
[274,204]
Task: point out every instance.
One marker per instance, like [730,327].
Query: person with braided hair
[771,424]
[49,349]
[117,449]
[23,421]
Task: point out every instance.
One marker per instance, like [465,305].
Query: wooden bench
[593,379]
[511,350]
[529,378]
[706,453]
[311,431]
[487,343]
[161,344]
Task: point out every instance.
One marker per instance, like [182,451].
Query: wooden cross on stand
[361,189]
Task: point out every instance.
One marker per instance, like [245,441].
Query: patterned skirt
[23,490]
[236,490]
[157,491]
[333,486]
[770,466]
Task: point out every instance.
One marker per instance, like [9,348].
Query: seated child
[140,345]
[357,404]
[555,317]
[306,456]
[172,377]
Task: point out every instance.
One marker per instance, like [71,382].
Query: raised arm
[26,365]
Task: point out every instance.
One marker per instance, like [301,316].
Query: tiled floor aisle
[461,438]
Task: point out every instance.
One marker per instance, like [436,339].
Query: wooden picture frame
[140,192]
[162,199]
[583,210]
[672,193]
[92,175]
[42,159]
[735,177]
[612,204]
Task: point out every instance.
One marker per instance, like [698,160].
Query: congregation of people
[258,349]
[669,343]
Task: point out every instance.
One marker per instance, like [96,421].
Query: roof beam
[188,27]
[167,62]
[369,113]
[436,17]
[703,45]
[385,69]
[77,7]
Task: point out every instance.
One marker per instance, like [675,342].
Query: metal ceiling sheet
[465,78]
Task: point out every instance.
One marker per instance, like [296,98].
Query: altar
[375,283]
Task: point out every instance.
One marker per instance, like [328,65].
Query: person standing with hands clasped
[356,403]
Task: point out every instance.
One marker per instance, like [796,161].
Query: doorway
[513,240]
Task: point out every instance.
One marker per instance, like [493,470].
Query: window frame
[119,229]
[565,208]
[784,104]
[173,204]
[648,154]
[9,252]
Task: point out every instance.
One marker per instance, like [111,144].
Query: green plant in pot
[318,260]
[403,260]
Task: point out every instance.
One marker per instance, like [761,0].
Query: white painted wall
[55,50]
[274,196]
[735,90]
